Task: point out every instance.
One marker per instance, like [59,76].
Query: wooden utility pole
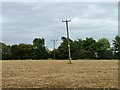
[54,46]
[68,40]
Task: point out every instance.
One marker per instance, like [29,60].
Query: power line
[68,40]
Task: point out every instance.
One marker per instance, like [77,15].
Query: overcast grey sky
[25,21]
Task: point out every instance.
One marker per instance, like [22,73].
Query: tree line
[80,49]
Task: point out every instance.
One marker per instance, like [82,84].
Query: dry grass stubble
[59,74]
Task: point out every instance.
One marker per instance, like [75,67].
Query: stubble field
[60,74]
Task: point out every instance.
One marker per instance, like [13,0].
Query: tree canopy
[80,49]
[116,44]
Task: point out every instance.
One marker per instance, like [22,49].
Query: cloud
[22,22]
[60,1]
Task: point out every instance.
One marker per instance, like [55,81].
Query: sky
[22,22]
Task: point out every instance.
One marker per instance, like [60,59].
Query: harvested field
[59,74]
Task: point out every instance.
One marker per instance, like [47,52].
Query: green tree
[102,47]
[25,51]
[6,52]
[62,51]
[86,48]
[21,51]
[15,52]
[116,44]
[0,51]
[110,53]
[39,49]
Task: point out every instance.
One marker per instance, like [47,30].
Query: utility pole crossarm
[66,20]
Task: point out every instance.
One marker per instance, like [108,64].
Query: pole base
[69,62]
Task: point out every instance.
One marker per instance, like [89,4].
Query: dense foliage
[80,49]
